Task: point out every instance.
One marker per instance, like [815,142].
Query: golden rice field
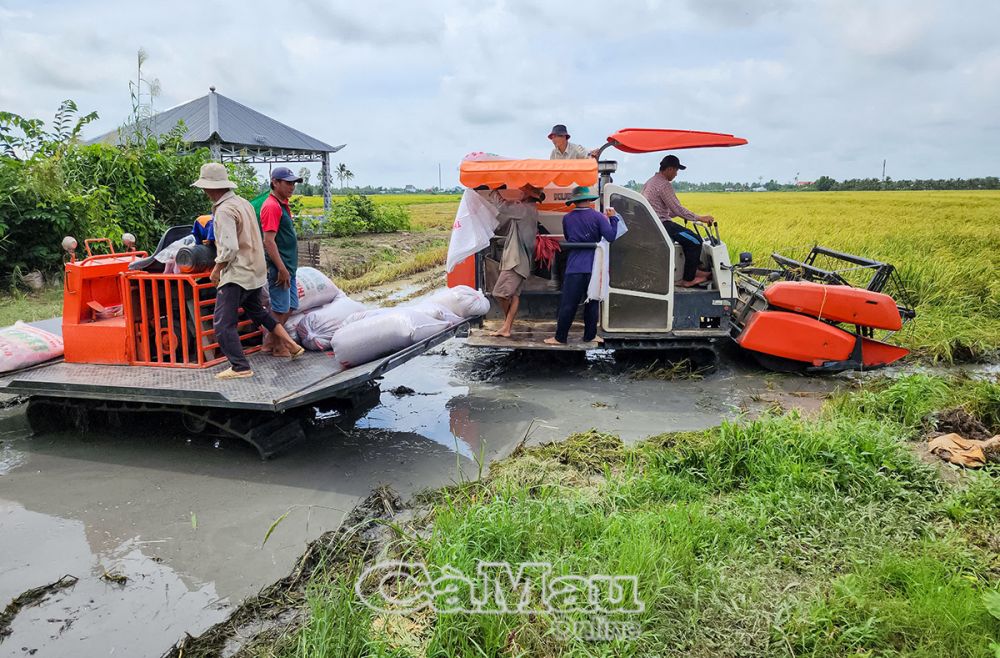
[946,246]
[316,202]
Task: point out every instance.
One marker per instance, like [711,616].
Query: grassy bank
[770,537]
[31,306]
[391,266]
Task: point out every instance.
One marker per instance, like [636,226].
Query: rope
[822,305]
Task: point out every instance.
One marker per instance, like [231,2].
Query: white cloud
[829,87]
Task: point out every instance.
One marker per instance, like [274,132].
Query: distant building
[804,183]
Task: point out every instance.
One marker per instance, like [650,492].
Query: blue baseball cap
[285,174]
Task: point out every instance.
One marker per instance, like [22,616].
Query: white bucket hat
[214,177]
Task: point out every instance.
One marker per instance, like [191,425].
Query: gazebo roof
[236,130]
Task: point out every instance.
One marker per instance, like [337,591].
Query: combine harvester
[797,317]
[138,342]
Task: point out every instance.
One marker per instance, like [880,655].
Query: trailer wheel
[193,424]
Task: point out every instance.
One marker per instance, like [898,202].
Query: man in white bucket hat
[239,271]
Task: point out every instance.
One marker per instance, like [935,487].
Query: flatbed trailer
[267,410]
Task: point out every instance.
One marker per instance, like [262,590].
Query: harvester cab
[644,309]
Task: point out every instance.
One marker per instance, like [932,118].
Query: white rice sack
[381,334]
[463,301]
[315,288]
[23,345]
[292,323]
[316,329]
[435,310]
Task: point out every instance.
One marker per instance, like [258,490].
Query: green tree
[824,183]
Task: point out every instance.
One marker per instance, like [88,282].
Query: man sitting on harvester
[659,190]
[582,224]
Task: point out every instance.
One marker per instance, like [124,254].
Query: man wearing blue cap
[281,246]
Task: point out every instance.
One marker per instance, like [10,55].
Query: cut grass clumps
[773,537]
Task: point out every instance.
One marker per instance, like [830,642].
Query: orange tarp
[648,140]
[540,173]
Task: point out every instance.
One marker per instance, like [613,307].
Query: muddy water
[182,520]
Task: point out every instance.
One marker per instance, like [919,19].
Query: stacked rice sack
[372,334]
[328,319]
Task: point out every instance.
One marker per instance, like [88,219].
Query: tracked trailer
[140,346]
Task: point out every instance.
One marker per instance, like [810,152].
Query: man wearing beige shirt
[239,271]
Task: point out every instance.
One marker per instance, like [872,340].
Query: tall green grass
[770,537]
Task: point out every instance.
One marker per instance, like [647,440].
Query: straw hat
[214,177]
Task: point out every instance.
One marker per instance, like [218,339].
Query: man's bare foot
[696,281]
[501,334]
[281,353]
[552,341]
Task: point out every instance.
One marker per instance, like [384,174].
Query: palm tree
[348,175]
[341,173]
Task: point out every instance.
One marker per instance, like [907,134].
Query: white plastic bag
[316,329]
[170,251]
[379,334]
[23,345]
[315,288]
[463,301]
[475,223]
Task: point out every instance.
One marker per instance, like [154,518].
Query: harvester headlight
[128,240]
[69,244]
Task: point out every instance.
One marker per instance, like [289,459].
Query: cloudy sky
[826,87]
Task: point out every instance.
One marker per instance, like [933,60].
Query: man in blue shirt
[582,224]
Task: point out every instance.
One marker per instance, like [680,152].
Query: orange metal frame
[153,327]
[157,338]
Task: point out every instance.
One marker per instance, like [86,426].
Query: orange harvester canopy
[649,140]
[539,173]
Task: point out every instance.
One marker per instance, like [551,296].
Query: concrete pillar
[324,175]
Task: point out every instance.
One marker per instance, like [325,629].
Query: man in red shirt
[281,248]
